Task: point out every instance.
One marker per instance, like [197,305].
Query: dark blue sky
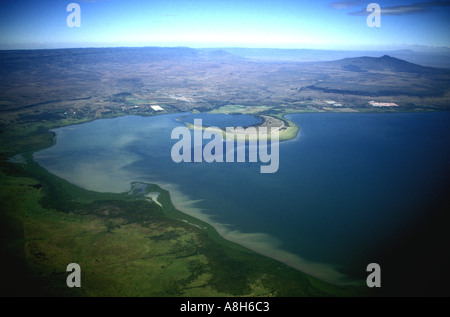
[209,23]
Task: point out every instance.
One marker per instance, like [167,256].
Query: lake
[346,186]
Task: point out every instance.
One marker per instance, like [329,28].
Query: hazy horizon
[323,24]
[413,48]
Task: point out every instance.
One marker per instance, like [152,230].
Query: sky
[320,24]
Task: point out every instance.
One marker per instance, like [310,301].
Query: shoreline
[259,242]
[181,207]
[230,251]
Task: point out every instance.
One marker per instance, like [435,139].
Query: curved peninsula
[286,130]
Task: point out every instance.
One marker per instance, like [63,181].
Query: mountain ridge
[383,63]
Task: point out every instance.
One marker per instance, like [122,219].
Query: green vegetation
[125,244]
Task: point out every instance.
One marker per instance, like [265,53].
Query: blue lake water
[344,188]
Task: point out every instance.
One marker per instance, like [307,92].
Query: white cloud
[414,8]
